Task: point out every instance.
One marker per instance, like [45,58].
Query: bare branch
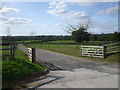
[1,5]
[8,32]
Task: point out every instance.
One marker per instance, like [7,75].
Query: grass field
[19,70]
[84,43]
[28,41]
[73,50]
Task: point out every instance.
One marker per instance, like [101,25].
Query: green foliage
[93,38]
[80,35]
[43,38]
[115,36]
[18,69]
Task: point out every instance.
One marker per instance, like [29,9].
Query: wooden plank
[30,55]
[30,52]
[92,51]
[30,59]
[93,46]
[112,52]
[4,44]
[90,48]
[112,48]
[112,44]
[30,49]
[6,48]
[93,56]
[5,55]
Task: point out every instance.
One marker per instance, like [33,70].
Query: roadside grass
[20,70]
[73,50]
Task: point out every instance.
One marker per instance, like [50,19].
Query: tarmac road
[73,72]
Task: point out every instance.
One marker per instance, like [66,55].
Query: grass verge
[19,71]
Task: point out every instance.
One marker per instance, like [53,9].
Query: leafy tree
[79,33]
[93,38]
[115,36]
[102,37]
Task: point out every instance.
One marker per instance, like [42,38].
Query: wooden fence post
[11,51]
[104,51]
[80,50]
[33,55]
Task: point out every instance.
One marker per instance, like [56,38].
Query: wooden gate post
[104,51]
[11,51]
[80,50]
[33,55]
[14,50]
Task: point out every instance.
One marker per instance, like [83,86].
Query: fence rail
[9,49]
[112,44]
[112,48]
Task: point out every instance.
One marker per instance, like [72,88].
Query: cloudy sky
[49,18]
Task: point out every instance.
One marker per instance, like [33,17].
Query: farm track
[66,62]
[57,62]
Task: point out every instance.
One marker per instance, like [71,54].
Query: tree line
[75,36]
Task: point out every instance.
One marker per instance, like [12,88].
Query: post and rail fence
[9,49]
[100,51]
[32,54]
[112,48]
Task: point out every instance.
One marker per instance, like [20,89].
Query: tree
[8,32]
[79,32]
[93,37]
[32,33]
[115,36]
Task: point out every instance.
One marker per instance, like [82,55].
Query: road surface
[73,72]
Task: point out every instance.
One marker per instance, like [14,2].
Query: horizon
[52,35]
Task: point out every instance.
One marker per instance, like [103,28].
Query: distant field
[67,49]
[84,43]
[28,41]
[67,41]
[73,50]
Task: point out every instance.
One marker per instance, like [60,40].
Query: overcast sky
[49,18]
